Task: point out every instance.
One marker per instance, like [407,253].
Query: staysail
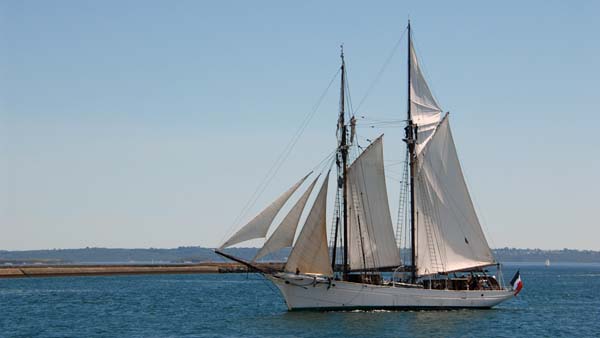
[310,254]
[283,236]
[425,111]
[259,225]
[448,233]
[372,243]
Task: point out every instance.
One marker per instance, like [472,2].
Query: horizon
[149,125]
[252,247]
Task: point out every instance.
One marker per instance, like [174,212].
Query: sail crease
[448,233]
[425,111]
[310,254]
[284,234]
[372,243]
[259,225]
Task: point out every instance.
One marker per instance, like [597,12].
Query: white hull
[308,292]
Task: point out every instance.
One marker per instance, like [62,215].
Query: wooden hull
[305,292]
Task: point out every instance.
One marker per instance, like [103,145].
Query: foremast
[342,164]
[411,135]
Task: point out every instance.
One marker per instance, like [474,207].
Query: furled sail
[425,111]
[283,236]
[259,225]
[448,233]
[372,243]
[310,254]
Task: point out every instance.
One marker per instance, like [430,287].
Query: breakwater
[95,270]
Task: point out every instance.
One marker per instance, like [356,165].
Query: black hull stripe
[391,308]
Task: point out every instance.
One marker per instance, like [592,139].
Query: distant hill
[538,255]
[200,254]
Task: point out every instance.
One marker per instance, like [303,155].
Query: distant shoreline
[200,255]
[74,270]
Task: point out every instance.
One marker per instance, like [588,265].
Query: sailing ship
[450,259]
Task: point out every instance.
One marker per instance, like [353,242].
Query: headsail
[448,233]
[283,236]
[372,243]
[259,225]
[310,253]
[425,111]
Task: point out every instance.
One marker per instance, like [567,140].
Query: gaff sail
[372,243]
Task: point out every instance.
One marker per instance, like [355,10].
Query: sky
[152,123]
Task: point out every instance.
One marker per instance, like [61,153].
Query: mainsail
[448,233]
[310,253]
[425,111]
[259,225]
[372,242]
[283,236]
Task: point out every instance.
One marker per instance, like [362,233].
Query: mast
[411,132]
[343,166]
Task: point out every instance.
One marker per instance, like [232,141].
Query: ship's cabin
[467,281]
[472,280]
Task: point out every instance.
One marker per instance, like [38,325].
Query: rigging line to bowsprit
[381,71]
[326,159]
[267,283]
[281,158]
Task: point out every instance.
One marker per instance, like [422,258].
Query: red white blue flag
[517,283]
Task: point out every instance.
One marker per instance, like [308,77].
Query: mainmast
[411,135]
[342,169]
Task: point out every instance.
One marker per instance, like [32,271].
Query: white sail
[372,243]
[425,111]
[283,236]
[448,233]
[259,225]
[310,253]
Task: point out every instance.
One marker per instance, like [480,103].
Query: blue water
[559,301]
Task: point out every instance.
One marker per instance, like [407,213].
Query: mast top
[342,51]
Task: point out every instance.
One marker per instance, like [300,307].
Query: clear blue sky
[150,123]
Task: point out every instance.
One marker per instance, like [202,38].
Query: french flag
[517,283]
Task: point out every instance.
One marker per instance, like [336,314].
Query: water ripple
[556,302]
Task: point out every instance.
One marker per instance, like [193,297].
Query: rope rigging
[280,160]
[382,70]
[365,230]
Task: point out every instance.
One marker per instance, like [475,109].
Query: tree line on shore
[199,254]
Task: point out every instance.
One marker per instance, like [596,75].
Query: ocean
[562,300]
